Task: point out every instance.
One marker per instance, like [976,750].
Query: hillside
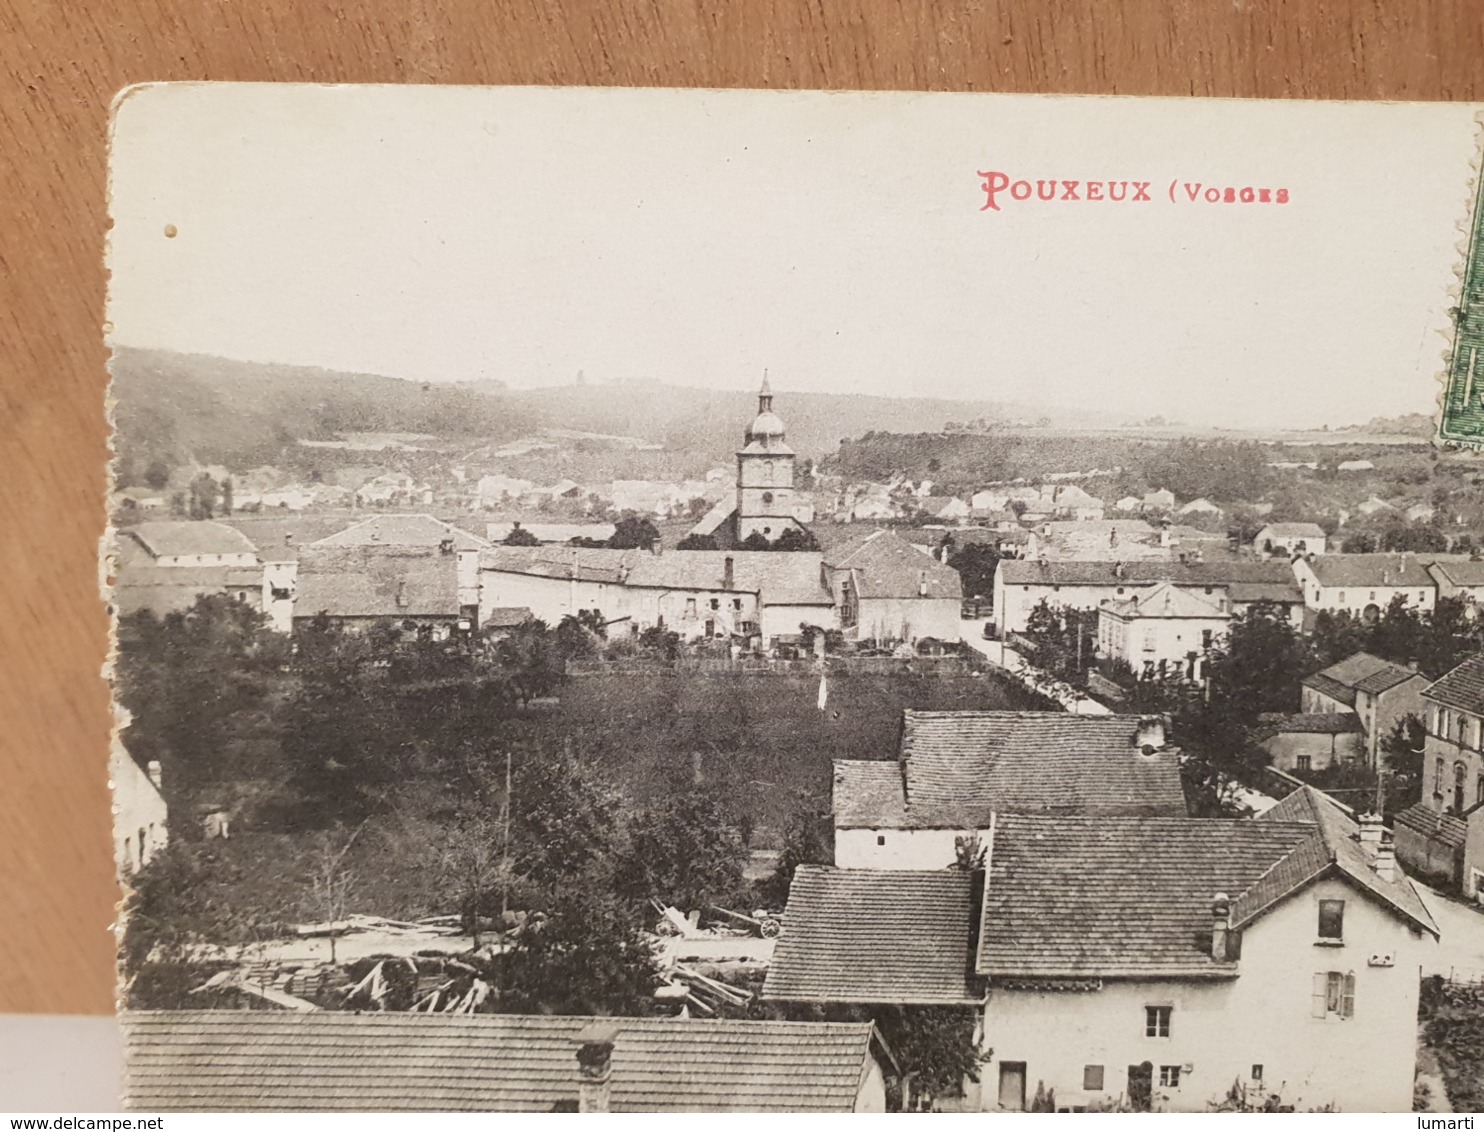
[189,408]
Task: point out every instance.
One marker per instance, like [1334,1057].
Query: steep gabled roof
[1029,572]
[1292,530]
[1459,572]
[874,936]
[1023,762]
[1435,825]
[403,530]
[170,538]
[1271,723]
[1462,688]
[1336,850]
[333,1061]
[1359,671]
[884,565]
[1110,897]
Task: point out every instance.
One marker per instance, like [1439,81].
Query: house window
[1373,595]
[1157,1021]
[1303,762]
[1092,1078]
[1334,994]
[715,603]
[1342,597]
[1257,1074]
[1206,637]
[737,603]
[1479,792]
[1332,919]
[881,839]
[690,607]
[1437,780]
[1169,1076]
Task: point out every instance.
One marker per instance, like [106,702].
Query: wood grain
[64,62]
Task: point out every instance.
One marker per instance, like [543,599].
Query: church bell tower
[765,475]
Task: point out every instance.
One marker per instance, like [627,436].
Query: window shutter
[1321,993]
[1347,1009]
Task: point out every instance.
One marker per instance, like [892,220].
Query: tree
[586,956]
[564,820]
[530,660]
[796,538]
[755,541]
[976,563]
[157,475]
[687,850]
[633,532]
[469,857]
[1403,748]
[1259,665]
[697,542]
[331,882]
[519,536]
[935,1048]
[192,682]
[807,840]
[205,494]
[227,496]
[1360,542]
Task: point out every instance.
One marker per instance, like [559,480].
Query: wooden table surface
[63,64]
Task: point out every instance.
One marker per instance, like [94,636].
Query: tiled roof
[1462,688]
[507,616]
[1291,530]
[1404,570]
[1460,572]
[279,538]
[1435,825]
[403,530]
[874,935]
[1360,671]
[1118,897]
[1245,593]
[377,581]
[884,565]
[778,577]
[551,532]
[587,565]
[1027,572]
[331,1061]
[165,538]
[170,589]
[1272,723]
[1168,601]
[1337,848]
[962,762]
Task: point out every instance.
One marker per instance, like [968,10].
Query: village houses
[141,820]
[1290,539]
[958,768]
[1305,741]
[1377,692]
[1461,578]
[1165,631]
[1160,963]
[1364,584]
[1443,834]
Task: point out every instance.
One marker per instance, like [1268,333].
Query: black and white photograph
[686,601]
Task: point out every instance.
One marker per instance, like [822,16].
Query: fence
[758,666]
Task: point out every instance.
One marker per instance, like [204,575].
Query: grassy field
[760,739]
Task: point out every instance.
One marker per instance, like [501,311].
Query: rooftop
[331,1061]
[377,581]
[885,565]
[874,935]
[1360,570]
[1018,572]
[1291,530]
[1462,688]
[171,538]
[1272,723]
[1167,600]
[957,767]
[1358,672]
[403,530]
[1460,572]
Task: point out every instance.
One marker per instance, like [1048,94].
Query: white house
[193,543]
[1460,577]
[1143,962]
[1378,692]
[141,820]
[1165,630]
[1364,584]
[886,589]
[1021,584]
[1201,506]
[956,769]
[1290,539]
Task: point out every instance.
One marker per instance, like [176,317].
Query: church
[764,502]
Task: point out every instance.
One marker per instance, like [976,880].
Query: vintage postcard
[656,600]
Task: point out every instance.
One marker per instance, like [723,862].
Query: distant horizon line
[114,346]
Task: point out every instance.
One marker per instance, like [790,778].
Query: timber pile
[700,992]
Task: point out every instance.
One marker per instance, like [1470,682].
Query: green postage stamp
[1461,418]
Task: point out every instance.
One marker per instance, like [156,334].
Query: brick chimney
[1385,863]
[656,548]
[595,1066]
[1371,831]
[152,768]
[1221,912]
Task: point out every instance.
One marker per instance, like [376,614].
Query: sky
[839,240]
